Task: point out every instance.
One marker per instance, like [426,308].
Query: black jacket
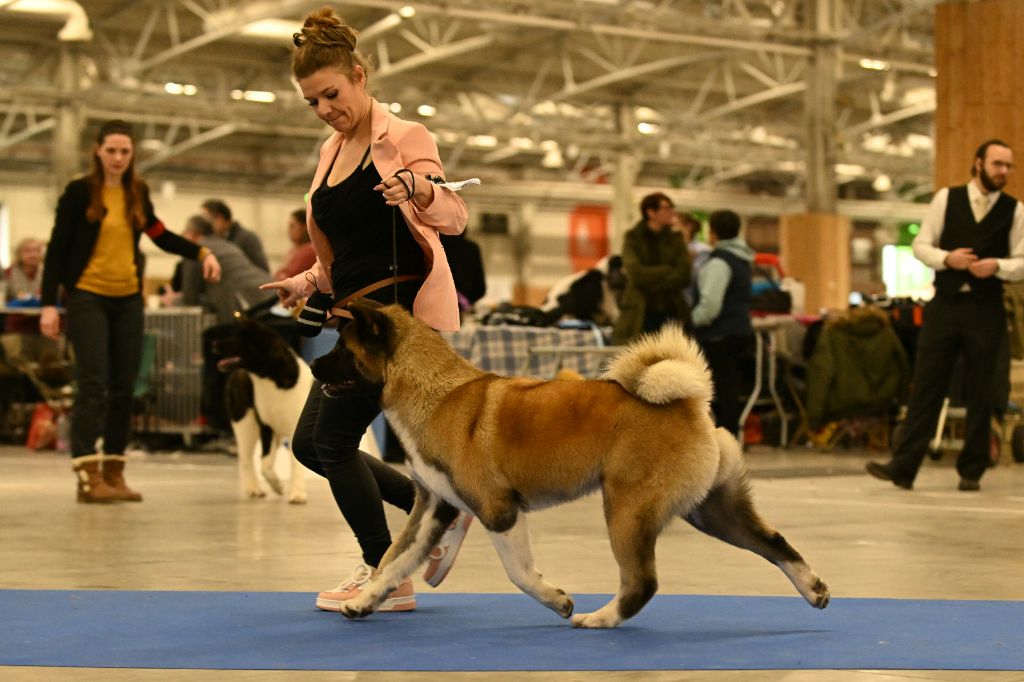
[74,237]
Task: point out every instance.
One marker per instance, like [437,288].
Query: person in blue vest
[721,317]
[973,237]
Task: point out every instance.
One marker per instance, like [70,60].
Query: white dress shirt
[926,243]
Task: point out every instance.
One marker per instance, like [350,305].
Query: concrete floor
[194,532]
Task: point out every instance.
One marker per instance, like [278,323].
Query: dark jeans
[106,335]
[723,358]
[326,441]
[967,325]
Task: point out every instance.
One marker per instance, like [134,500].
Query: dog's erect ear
[373,327]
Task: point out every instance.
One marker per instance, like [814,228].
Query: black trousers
[326,441]
[106,335]
[723,358]
[972,326]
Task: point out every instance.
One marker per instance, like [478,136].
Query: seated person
[23,284]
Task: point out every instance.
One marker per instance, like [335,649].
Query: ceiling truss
[720,85]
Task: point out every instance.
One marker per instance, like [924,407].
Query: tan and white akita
[501,446]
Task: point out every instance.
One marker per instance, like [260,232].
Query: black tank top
[357,223]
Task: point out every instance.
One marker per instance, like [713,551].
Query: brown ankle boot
[91,486]
[113,474]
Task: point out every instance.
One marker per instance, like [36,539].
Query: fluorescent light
[849,169]
[180,89]
[919,141]
[395,108]
[874,64]
[151,144]
[259,96]
[274,29]
[407,12]
[647,128]
[883,183]
[647,114]
[426,110]
[262,96]
[489,141]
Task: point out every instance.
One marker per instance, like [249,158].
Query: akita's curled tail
[662,367]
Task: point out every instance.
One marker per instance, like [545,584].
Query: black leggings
[326,441]
[106,335]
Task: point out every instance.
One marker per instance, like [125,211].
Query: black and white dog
[265,394]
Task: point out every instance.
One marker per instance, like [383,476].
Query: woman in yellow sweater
[94,254]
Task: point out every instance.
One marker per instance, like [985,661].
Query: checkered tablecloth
[506,349]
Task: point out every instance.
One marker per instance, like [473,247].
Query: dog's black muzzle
[338,374]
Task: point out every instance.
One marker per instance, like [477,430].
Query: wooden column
[979,56]
[815,249]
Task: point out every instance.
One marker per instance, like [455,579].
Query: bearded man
[973,237]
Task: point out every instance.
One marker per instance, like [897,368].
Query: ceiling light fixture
[875,64]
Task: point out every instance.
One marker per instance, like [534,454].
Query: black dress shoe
[884,472]
[969,484]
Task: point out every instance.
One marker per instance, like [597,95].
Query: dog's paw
[563,604]
[274,482]
[297,498]
[255,493]
[821,595]
[352,610]
[597,619]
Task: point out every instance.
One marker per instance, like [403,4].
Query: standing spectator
[973,237]
[94,254]
[219,215]
[372,175]
[721,317]
[302,255]
[657,266]
[238,288]
[700,251]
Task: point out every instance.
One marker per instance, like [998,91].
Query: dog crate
[170,403]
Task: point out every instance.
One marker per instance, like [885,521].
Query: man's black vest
[734,318]
[990,239]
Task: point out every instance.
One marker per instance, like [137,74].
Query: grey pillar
[821,105]
[67,133]
[627,167]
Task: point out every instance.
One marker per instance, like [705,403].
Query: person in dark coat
[657,265]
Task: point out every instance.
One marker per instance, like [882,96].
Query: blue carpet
[282,631]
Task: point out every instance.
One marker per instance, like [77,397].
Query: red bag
[42,430]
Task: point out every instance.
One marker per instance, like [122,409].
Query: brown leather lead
[339,309]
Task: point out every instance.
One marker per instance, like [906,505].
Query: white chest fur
[433,479]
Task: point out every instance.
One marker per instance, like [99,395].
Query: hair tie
[412,179]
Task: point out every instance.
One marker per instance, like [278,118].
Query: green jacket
[858,367]
[663,270]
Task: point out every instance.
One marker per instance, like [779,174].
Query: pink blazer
[396,144]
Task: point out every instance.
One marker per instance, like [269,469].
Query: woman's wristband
[203,253]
